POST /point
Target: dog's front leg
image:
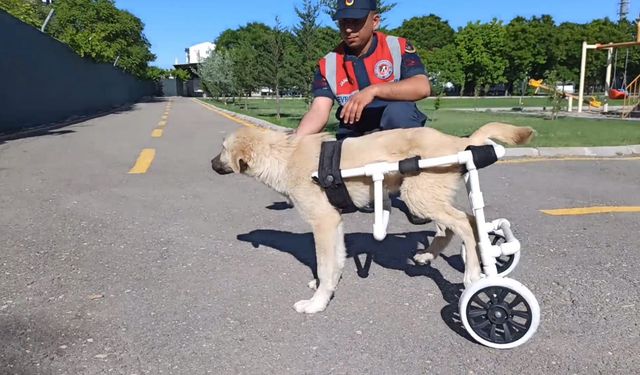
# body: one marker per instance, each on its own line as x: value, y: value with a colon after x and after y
x: 331, y: 255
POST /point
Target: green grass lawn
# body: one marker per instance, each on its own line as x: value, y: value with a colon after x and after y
x: 559, y: 133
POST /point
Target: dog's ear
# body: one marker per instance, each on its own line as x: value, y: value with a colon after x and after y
x: 241, y: 156
x: 243, y: 165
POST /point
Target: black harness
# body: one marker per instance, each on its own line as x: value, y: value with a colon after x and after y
x: 330, y: 176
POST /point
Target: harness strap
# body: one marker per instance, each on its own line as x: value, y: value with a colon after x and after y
x: 408, y: 166
x: 483, y: 156
x: 330, y: 177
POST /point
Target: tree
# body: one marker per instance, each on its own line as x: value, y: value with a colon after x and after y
x: 481, y: 49
x: 275, y: 67
x: 217, y: 74
x: 155, y: 73
x: 245, y: 62
x: 443, y: 66
x: 249, y: 47
x: 530, y: 47
x: 568, y: 51
x: 32, y: 12
x: 308, y: 42
x: 97, y: 29
x: 253, y: 33
x: 180, y: 74
x: 426, y: 32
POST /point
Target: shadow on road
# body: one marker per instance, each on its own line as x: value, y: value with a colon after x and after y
x: 48, y: 129
x: 395, y: 252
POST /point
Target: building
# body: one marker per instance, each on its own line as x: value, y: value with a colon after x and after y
x: 197, y: 53
x: 193, y: 56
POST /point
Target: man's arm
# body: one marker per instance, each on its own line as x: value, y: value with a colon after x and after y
x: 411, y: 89
x: 316, y: 119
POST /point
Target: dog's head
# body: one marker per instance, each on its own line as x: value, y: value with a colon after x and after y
x: 236, y: 154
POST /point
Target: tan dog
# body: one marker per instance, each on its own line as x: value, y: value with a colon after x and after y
x: 286, y: 162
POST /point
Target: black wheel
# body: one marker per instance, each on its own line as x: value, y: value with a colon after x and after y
x: 500, y: 313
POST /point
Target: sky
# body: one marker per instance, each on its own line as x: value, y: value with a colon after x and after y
x: 172, y: 25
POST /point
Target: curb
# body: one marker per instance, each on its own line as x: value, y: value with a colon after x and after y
x: 252, y: 120
x: 512, y: 152
x: 602, y: 152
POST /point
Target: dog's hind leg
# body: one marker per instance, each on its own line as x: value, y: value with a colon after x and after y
x: 328, y: 234
x: 463, y: 225
x: 435, y: 205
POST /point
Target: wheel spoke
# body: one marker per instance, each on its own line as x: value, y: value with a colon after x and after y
x: 521, y: 314
x: 493, y: 335
x: 480, y: 302
x: 481, y: 325
x: 477, y: 313
x: 516, y: 301
x: 518, y: 326
x: 503, y: 294
x: 507, y: 332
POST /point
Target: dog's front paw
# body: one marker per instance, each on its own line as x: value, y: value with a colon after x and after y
x: 309, y: 306
x: 423, y: 258
x: 471, y: 277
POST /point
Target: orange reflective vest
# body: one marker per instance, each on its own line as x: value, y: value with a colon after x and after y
x: 383, y: 65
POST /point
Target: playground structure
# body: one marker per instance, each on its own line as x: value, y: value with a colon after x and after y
x: 630, y: 93
x: 539, y: 84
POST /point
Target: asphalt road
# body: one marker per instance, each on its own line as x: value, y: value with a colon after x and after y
x: 181, y: 271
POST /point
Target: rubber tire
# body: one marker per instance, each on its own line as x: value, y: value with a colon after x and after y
x: 515, y: 286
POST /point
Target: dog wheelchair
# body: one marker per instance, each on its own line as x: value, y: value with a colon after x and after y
x: 496, y: 311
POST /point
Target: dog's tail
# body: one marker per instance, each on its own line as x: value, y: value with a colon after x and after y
x: 505, y: 133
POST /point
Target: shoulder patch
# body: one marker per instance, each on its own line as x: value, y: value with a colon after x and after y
x: 410, y: 48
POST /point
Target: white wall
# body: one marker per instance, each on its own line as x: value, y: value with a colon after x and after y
x: 197, y: 53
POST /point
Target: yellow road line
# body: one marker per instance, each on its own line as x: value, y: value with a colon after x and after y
x: 214, y: 109
x: 591, y: 210
x: 157, y: 133
x: 164, y: 117
x: 144, y: 161
x: 542, y: 159
x: 162, y: 124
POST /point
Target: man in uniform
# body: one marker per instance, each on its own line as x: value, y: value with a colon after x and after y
x: 375, y: 78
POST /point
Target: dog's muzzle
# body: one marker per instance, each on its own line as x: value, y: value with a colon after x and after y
x: 220, y: 167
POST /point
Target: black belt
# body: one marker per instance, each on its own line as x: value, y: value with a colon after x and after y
x: 330, y: 177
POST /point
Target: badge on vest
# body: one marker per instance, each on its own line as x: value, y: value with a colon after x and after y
x: 383, y: 69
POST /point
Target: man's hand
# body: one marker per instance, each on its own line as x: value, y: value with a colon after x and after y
x: 352, y: 111
x: 316, y: 119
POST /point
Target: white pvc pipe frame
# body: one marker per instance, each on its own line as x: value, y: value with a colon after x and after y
x: 488, y: 252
